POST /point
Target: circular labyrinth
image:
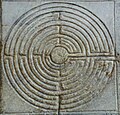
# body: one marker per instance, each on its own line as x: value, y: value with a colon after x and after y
x: 58, y: 56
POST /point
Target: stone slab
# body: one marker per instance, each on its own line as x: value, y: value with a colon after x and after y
x: 91, y: 20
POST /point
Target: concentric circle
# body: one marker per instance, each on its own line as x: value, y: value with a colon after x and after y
x: 58, y: 56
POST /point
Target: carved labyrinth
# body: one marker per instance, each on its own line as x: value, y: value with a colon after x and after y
x: 58, y: 56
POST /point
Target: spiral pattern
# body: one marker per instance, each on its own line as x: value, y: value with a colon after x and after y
x: 58, y: 55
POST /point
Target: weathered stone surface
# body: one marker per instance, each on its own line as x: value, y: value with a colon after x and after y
x: 59, y: 57
x: 117, y: 23
x: 0, y: 58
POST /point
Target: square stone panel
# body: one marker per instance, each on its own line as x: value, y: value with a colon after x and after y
x: 58, y: 57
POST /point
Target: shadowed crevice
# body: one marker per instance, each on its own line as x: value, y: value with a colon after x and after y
x: 0, y: 79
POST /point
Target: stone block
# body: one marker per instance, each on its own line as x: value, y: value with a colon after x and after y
x: 59, y: 57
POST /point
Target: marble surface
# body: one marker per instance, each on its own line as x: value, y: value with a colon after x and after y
x: 60, y: 57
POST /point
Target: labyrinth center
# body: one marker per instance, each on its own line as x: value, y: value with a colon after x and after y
x: 58, y: 55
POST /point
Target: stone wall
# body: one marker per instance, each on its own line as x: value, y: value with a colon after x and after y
x: 60, y: 57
